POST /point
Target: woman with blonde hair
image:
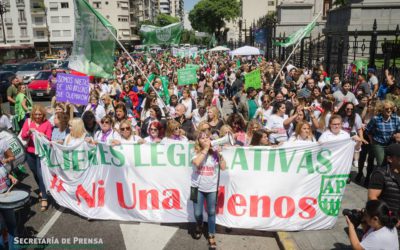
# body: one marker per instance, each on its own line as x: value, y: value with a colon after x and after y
x: 77, y: 132
x: 40, y: 124
x: 302, y: 133
x: 108, y: 105
x: 174, y: 133
x: 206, y: 162
x: 252, y: 126
x: 213, y: 120
x: 127, y: 134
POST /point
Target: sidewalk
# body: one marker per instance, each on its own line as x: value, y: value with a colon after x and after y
x: 355, y: 196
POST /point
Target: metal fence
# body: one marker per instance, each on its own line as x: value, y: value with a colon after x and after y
x: 380, y: 48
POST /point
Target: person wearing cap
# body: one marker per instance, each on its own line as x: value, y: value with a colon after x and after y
x: 373, y: 82
x: 384, y: 184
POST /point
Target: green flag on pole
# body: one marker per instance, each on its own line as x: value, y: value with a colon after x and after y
x: 94, y: 45
x: 170, y: 34
x: 298, y: 35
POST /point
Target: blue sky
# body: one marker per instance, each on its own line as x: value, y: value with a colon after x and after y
x: 189, y: 4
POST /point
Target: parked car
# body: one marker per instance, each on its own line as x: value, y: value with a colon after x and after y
x: 28, y: 71
x: 10, y: 67
x: 56, y: 62
x: 40, y: 87
x: 5, y: 82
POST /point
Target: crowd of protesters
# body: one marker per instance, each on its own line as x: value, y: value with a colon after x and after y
x: 144, y: 103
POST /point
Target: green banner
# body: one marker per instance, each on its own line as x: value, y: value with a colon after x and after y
x: 170, y: 34
x: 187, y: 76
x: 253, y: 79
x: 361, y: 65
x: 94, y: 44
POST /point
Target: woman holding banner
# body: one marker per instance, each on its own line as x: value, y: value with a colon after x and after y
x: 40, y: 124
x: 127, y: 135
x: 205, y: 184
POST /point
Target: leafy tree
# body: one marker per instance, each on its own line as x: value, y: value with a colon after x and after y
x: 210, y: 15
x: 164, y: 20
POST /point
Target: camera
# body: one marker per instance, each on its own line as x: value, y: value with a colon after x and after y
x: 355, y: 216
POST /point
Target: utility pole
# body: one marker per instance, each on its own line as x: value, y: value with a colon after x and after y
x: 3, y: 10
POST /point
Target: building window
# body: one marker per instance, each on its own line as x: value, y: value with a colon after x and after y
x: 24, y: 32
x: 38, y: 20
x: 67, y: 33
x: 21, y: 15
x: 39, y: 34
x: 53, y: 6
x: 54, y: 19
x: 123, y: 19
x: 9, y: 32
x: 65, y: 19
x: 271, y: 3
x: 122, y: 5
x: 97, y: 5
x: 65, y: 5
x: 56, y: 33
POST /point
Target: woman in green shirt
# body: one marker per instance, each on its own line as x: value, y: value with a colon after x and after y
x: 23, y: 105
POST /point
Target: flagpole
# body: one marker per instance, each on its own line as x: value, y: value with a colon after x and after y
x: 137, y: 66
x: 294, y: 50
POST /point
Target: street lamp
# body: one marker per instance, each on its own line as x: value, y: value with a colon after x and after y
x: 3, y: 10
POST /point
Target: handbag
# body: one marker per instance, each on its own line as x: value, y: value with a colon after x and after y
x: 24, y: 142
x: 193, y: 194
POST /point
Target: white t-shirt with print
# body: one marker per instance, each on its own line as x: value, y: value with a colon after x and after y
x: 276, y: 122
x: 357, y: 124
x: 3, y: 171
x: 206, y: 177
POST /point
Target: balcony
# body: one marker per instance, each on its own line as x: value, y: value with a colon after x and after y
x: 20, y: 3
x: 39, y: 25
x: 22, y: 21
x: 37, y: 11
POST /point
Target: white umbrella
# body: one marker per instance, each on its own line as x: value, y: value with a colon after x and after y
x: 220, y: 48
x: 245, y: 51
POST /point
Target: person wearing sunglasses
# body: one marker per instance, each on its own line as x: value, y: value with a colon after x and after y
x: 106, y: 133
x: 206, y: 162
x: 127, y: 134
x: 155, y: 132
x: 174, y: 133
x: 383, y: 129
x: 40, y: 124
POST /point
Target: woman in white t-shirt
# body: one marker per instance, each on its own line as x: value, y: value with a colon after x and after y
x: 174, y: 133
x: 335, y: 132
x: 381, y: 234
x: 205, y: 180
x: 275, y: 123
x: 127, y: 135
x: 5, y: 122
x: 77, y: 132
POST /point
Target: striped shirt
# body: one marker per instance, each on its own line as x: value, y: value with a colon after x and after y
x: 382, y: 131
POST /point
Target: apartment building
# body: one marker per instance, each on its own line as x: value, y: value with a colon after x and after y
x: 17, y: 25
x: 165, y: 6
x: 176, y: 7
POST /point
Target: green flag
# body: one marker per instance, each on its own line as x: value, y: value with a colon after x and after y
x: 361, y: 65
x: 94, y: 45
x: 170, y: 34
x: 298, y: 35
x: 213, y: 42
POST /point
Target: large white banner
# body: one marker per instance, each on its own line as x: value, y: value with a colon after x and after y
x: 293, y: 187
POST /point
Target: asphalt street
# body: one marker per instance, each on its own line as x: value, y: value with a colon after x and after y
x: 65, y: 229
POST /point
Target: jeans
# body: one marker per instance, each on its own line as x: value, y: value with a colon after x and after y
x: 211, y: 199
x: 379, y: 153
x: 36, y: 168
x: 8, y: 217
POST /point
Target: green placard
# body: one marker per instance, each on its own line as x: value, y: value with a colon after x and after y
x: 253, y: 79
x: 187, y: 76
x: 192, y: 66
